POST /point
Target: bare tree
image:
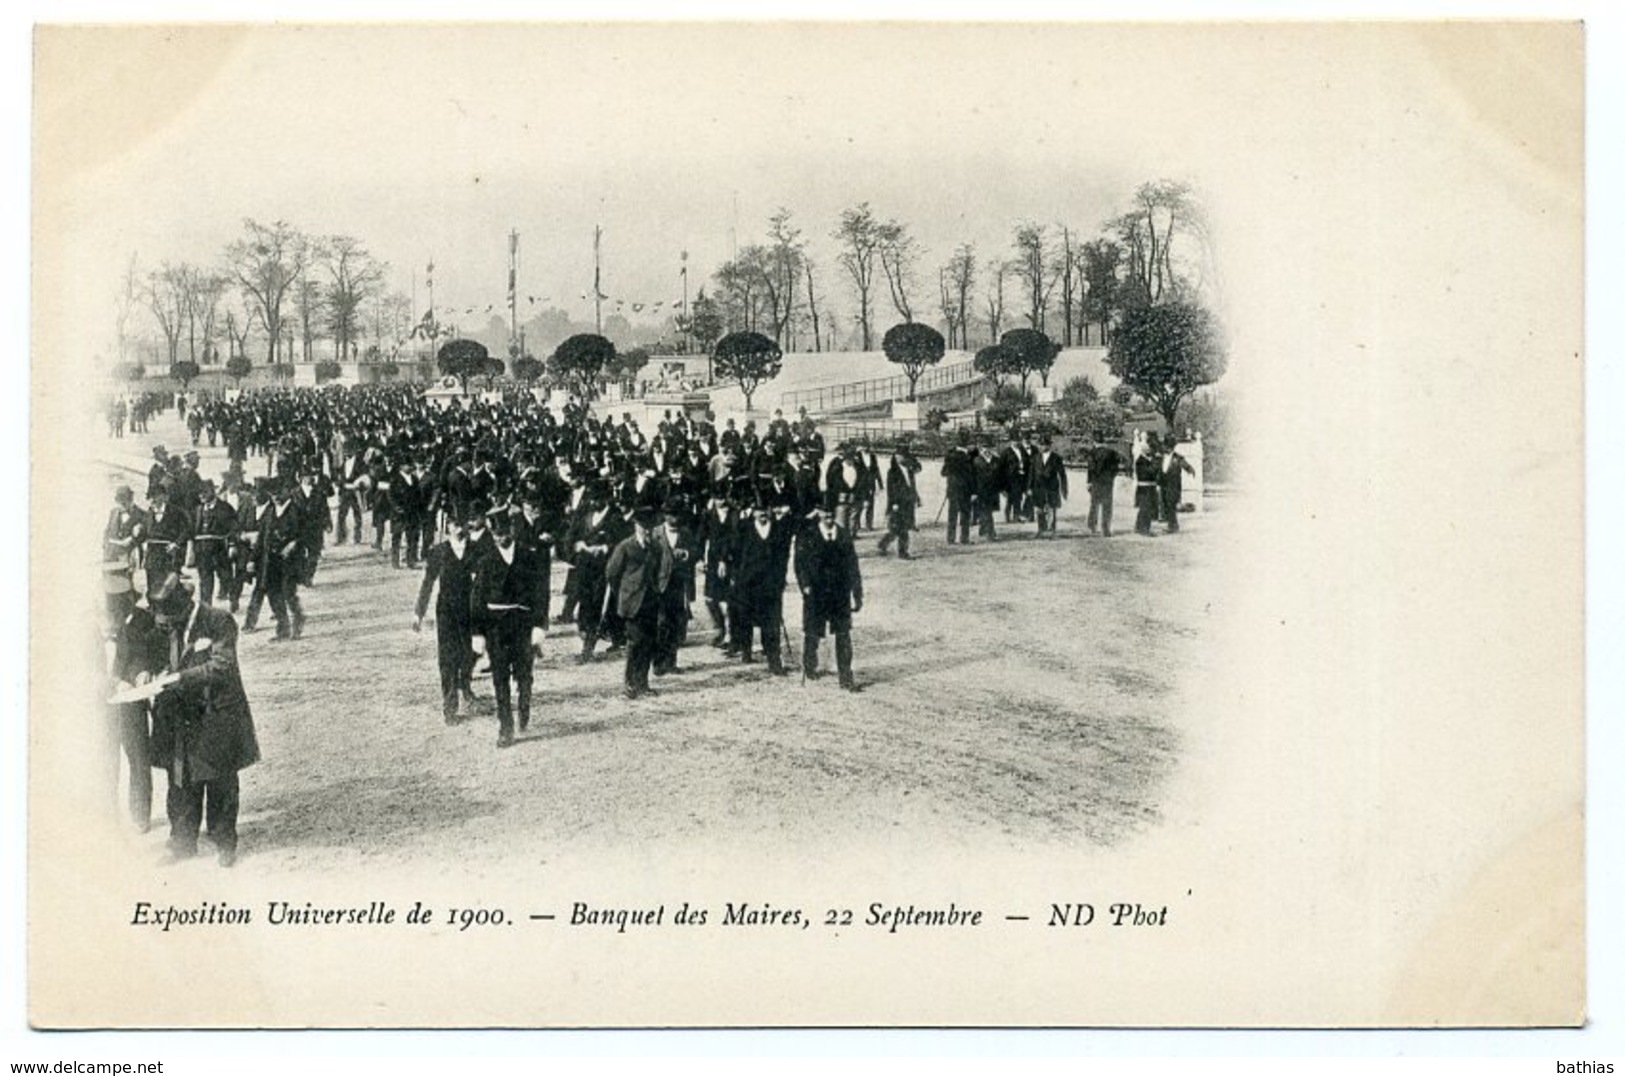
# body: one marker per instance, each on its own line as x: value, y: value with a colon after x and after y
x: 355, y: 275
x: 961, y: 278
x: 129, y: 297
x: 1070, y: 279
x: 165, y: 293
x: 781, y: 269
x: 1032, y: 267
x: 1101, y: 259
x: 899, y: 251
x: 859, y: 236
x: 1162, y: 209
x: 812, y: 304
x: 998, y: 270
x: 205, y: 288
x: 266, y: 262
x: 740, y: 288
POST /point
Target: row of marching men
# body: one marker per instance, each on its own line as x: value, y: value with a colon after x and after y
x: 634, y: 575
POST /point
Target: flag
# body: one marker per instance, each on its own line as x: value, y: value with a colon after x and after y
x: 511, y: 287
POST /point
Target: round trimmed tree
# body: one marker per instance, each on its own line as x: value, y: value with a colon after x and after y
x: 1166, y: 352
x: 913, y: 346
x: 184, y: 371
x: 581, y: 361
x: 239, y: 367
x: 749, y: 358
x: 462, y: 359
x: 1031, y: 352
x: 327, y: 370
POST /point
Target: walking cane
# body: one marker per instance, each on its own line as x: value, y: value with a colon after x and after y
x: 940, y: 507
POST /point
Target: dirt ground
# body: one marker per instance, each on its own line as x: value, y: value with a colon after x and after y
x: 1024, y: 692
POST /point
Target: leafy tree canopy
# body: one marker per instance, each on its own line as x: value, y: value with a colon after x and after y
x: 749, y: 358
x: 1166, y: 352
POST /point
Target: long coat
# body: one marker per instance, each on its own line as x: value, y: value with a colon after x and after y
x: 202, y: 728
x: 1049, y: 480
x: 830, y: 581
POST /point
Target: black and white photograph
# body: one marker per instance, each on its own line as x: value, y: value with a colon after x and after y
x: 807, y: 525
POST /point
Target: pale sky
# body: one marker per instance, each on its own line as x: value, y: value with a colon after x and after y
x: 434, y: 143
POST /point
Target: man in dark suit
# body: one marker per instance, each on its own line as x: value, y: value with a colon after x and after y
x: 638, y: 572
x: 679, y: 592
x: 902, y: 500
x: 450, y: 565
x: 510, y: 610
x: 1147, y: 486
x: 960, y: 475
x: 719, y: 530
x: 988, y: 484
x: 1048, y: 487
x: 756, y: 582
x: 1172, y: 483
x: 831, y: 591
x: 211, y: 544
x: 281, y: 562
x: 408, y: 503
x: 589, y: 541
x: 1105, y: 463
x: 316, y: 518
x: 169, y: 528
x: 203, y: 732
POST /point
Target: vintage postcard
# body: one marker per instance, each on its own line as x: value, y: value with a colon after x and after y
x: 807, y: 524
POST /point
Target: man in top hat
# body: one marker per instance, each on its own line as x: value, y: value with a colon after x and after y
x: 280, y: 563
x: 211, y: 544
x: 831, y: 591
x: 638, y: 573
x: 1048, y: 486
x: 844, y: 482
x: 684, y: 550
x: 202, y: 732
x: 169, y: 528
x: 449, y: 564
x: 406, y: 503
x: 902, y: 500
x: 317, y: 517
x: 594, y: 534
x: 756, y: 583
x: 718, y: 537
x: 989, y: 482
x: 510, y: 611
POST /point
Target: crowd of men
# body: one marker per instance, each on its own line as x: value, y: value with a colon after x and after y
x: 484, y: 496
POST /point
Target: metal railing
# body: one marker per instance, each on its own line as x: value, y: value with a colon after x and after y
x: 877, y: 389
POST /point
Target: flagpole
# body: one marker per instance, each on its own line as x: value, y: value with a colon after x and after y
x: 597, y: 273
x: 513, y: 295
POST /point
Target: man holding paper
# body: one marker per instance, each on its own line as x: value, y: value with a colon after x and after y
x: 202, y: 730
